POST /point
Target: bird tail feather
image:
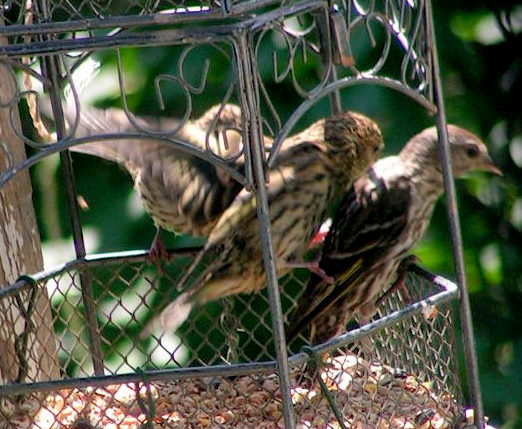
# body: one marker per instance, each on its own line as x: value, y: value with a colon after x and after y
x: 174, y: 314
x: 106, y: 150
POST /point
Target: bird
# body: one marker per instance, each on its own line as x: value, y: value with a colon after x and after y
x: 180, y: 191
x: 313, y: 169
x: 381, y: 218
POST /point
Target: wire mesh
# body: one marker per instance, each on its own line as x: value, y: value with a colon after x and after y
x: 403, y: 375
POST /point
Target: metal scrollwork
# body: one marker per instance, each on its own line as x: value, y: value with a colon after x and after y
x: 404, y: 23
x: 296, y: 41
x: 221, y: 57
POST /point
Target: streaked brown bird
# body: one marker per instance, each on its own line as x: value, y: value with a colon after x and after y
x: 180, y: 191
x: 312, y: 170
x: 382, y: 217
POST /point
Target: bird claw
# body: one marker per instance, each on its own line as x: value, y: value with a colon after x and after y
x: 316, y: 269
x: 157, y: 252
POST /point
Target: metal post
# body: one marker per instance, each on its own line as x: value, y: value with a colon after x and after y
x: 251, y: 114
x: 336, y: 104
x: 456, y: 237
x: 50, y: 68
x: 324, y: 24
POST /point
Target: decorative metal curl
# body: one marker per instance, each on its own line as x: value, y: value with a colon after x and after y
x: 336, y: 85
x: 366, y: 21
x: 295, y: 41
x: 405, y: 23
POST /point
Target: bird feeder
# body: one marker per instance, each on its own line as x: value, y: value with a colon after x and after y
x: 71, y: 350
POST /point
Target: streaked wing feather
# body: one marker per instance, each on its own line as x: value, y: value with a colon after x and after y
x: 357, y: 238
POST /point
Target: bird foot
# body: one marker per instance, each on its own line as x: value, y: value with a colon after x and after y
x: 157, y: 252
x: 314, y: 267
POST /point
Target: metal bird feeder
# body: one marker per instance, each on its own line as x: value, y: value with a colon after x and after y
x: 71, y: 351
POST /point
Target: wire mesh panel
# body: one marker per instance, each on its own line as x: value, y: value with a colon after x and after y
x: 400, y: 374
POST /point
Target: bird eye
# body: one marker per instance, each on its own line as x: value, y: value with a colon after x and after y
x: 472, y: 152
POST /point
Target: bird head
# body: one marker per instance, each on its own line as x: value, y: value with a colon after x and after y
x: 357, y: 134
x: 468, y: 152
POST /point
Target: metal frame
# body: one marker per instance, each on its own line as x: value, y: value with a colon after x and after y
x: 236, y: 24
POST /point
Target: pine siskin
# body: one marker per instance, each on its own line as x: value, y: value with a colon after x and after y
x: 180, y: 191
x: 313, y: 168
x: 384, y: 215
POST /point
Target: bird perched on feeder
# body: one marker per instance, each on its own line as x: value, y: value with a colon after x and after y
x: 179, y: 190
x: 382, y: 217
x: 312, y: 170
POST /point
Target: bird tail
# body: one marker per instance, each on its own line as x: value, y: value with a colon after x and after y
x: 174, y: 314
x: 108, y: 127
x: 90, y: 122
x: 105, y: 150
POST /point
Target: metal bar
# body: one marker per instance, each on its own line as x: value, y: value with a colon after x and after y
x: 154, y: 38
x: 238, y: 369
x: 336, y: 104
x: 135, y: 256
x: 141, y: 39
x: 89, y: 261
x: 323, y: 22
x: 174, y: 16
x: 456, y: 237
x: 50, y: 68
x: 15, y: 288
x: 110, y: 22
x: 245, y: 57
x: 276, y: 14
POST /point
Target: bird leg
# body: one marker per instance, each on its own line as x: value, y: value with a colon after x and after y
x: 313, y: 266
x: 400, y: 283
x: 157, y: 251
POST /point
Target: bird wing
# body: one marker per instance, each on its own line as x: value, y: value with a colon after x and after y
x: 369, y: 220
x: 238, y: 222
x: 181, y: 191
x: 90, y: 122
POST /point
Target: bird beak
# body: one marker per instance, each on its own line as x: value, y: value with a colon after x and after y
x: 490, y: 166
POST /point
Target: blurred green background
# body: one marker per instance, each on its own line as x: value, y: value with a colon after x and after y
x: 480, y: 49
